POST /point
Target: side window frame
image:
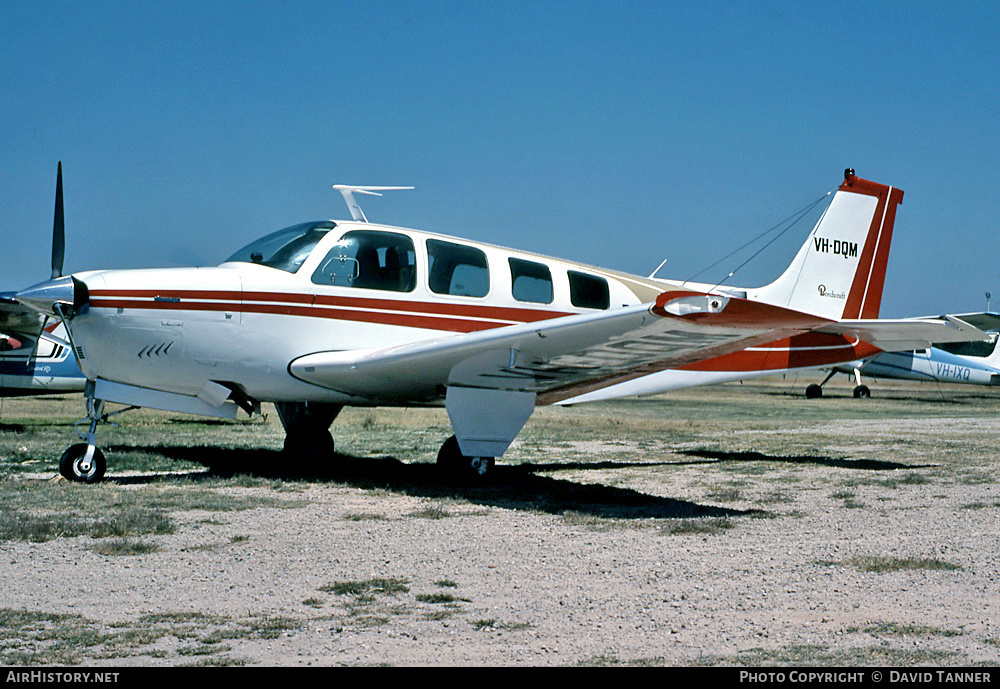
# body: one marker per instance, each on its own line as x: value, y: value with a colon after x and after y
x: 445, y: 259
x: 384, y: 261
x: 588, y: 291
x: 538, y: 273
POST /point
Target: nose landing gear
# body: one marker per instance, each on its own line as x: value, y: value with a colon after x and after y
x: 84, y: 462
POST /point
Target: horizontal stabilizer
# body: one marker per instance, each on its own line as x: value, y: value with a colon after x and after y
x: 908, y: 333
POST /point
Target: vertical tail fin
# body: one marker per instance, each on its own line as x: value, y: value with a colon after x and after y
x: 839, y: 272
x: 993, y: 359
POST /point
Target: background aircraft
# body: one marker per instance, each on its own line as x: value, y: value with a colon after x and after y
x: 973, y: 363
x: 326, y: 314
x: 33, y: 360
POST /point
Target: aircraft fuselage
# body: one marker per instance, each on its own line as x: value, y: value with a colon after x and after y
x: 245, y: 325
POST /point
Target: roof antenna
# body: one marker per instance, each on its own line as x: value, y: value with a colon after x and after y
x: 347, y: 190
x: 663, y: 263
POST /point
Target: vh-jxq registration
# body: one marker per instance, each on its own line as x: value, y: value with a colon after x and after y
x: 325, y: 314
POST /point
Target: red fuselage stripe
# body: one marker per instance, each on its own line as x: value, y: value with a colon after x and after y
x: 427, y: 315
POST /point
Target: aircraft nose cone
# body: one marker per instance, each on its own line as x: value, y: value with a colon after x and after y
x: 46, y: 296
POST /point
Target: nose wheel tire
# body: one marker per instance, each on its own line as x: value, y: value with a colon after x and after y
x: 451, y: 460
x: 73, y: 464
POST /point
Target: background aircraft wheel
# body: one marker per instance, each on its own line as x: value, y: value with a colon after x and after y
x: 451, y: 459
x: 862, y: 392
x: 814, y: 391
x: 72, y: 468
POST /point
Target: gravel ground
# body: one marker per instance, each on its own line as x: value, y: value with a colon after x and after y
x: 834, y: 536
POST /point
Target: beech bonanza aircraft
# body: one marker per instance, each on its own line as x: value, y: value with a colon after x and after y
x: 972, y: 363
x: 332, y: 313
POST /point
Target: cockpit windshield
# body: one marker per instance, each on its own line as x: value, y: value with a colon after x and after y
x: 285, y: 249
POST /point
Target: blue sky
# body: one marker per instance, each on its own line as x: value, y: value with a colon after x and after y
x: 615, y: 133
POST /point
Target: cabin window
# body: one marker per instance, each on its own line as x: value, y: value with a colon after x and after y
x: 588, y: 291
x: 457, y: 269
x: 370, y: 260
x: 530, y: 281
x: 285, y: 249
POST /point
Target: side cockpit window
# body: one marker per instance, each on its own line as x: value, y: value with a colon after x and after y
x: 457, y: 269
x: 530, y: 281
x: 370, y: 260
x: 588, y: 291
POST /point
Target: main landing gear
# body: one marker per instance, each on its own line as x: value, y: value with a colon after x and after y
x: 307, y: 436
x: 307, y: 428
x: 451, y: 460
x: 861, y: 391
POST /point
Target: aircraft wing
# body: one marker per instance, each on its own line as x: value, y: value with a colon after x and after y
x: 565, y: 357
x: 15, y: 318
x: 984, y: 320
x: 909, y: 333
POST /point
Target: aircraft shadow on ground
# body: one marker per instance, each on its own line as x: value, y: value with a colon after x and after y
x: 510, y: 487
x: 750, y: 456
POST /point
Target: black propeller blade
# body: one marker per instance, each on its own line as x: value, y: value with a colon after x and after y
x: 58, y: 229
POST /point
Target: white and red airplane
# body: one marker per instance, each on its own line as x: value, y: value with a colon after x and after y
x: 332, y: 313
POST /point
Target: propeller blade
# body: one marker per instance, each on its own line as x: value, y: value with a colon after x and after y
x: 58, y: 229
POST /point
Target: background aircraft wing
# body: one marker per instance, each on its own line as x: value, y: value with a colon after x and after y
x: 984, y: 320
x: 17, y: 319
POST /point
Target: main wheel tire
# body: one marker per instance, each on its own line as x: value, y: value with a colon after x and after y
x: 307, y: 429
x: 814, y: 391
x: 309, y: 444
x: 451, y: 460
x: 72, y: 468
x: 862, y: 392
